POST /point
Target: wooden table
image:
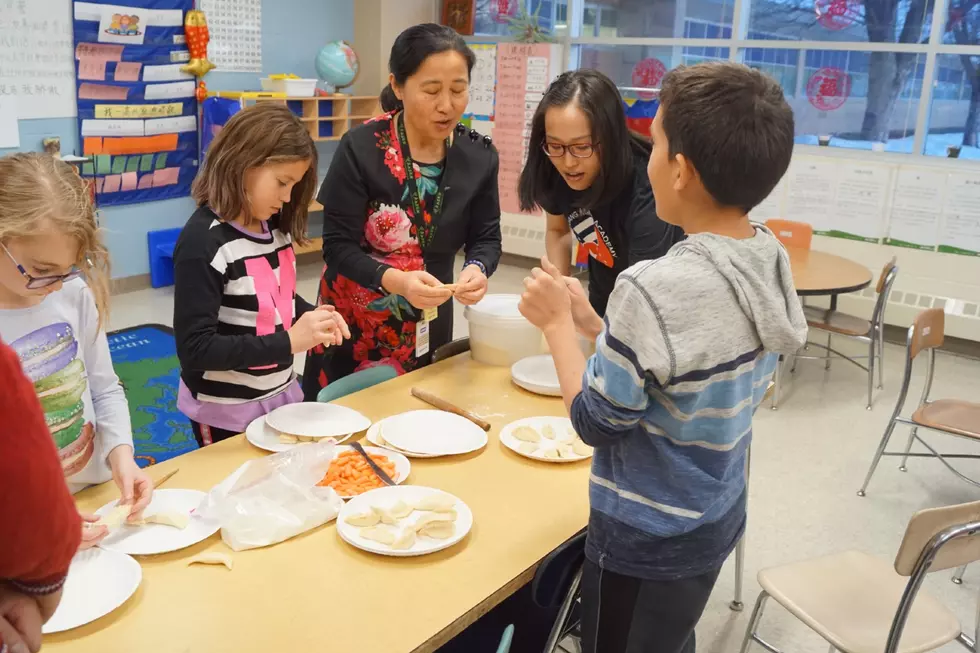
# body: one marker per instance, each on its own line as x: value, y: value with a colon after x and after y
x: 316, y: 593
x: 818, y: 273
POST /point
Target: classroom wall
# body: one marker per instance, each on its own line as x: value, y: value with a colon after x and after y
x: 292, y: 33
x: 376, y: 25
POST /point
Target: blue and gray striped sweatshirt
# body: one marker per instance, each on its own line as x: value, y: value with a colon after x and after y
x: 690, y: 344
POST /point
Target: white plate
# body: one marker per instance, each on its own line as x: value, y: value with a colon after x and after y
x: 402, y: 467
x: 537, y: 374
x: 387, y: 496
x: 152, y: 539
x: 265, y: 437
x: 433, y: 432
x: 563, y: 430
x: 374, y: 437
x: 315, y: 420
x: 98, y: 582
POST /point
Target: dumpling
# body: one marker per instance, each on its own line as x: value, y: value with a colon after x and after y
x: 115, y: 517
x: 528, y: 448
x: 176, y: 519
x: 437, y: 502
x: 526, y: 434
x: 212, y: 558
x: 363, y: 519
x: 405, y: 539
x: 400, y: 510
x: 305, y: 438
x: 551, y: 453
x: 442, y: 530
x: 566, y: 450
x: 549, y: 432
x: 434, y: 518
x: 385, y: 516
x: 286, y: 438
x: 378, y: 534
x: 580, y: 448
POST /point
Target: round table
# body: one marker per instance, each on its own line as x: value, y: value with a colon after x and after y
x: 818, y: 273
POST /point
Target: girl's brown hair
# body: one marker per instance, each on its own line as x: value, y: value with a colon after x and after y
x: 265, y: 133
x: 37, y: 188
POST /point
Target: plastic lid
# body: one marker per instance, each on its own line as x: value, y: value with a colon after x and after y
x: 502, y: 307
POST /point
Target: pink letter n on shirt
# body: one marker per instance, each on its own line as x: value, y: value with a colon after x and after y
x: 273, y: 296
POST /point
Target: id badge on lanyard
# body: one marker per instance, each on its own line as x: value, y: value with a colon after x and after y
x: 430, y: 314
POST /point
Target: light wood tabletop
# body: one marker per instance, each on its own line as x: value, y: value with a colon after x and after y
x: 316, y: 593
x: 819, y: 273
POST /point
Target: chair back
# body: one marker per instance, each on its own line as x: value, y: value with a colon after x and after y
x: 790, y: 233
x: 935, y: 539
x: 450, y: 349
x: 937, y: 532
x: 356, y: 382
x: 928, y: 331
x: 884, y: 290
x: 506, y: 639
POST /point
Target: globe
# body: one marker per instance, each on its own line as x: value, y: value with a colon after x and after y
x: 336, y: 64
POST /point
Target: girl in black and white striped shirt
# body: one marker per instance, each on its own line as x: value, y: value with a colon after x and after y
x: 237, y: 318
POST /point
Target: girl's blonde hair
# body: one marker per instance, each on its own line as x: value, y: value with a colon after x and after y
x: 37, y: 188
x: 258, y: 135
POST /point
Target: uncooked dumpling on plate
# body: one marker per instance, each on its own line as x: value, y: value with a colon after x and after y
x: 549, y: 432
x: 115, y: 517
x: 437, y: 502
x: 363, y: 519
x: 442, y: 530
x: 378, y: 534
x: 434, y: 518
x: 526, y: 434
x: 399, y: 510
x: 528, y: 448
x: 565, y: 450
x: 551, y: 453
x: 580, y: 448
x: 176, y: 519
x: 405, y: 539
x: 286, y: 438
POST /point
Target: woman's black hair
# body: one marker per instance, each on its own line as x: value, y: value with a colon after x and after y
x: 599, y: 99
x: 412, y: 48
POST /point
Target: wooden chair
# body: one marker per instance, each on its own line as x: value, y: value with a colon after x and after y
x: 871, y: 332
x: 791, y: 234
x: 951, y: 416
x: 850, y: 598
x: 450, y: 349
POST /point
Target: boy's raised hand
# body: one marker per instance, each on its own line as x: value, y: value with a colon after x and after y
x: 546, y: 300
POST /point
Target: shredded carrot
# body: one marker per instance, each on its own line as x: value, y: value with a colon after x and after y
x: 349, y: 474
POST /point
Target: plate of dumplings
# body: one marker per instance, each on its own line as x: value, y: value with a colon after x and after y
x: 548, y: 439
x: 404, y: 520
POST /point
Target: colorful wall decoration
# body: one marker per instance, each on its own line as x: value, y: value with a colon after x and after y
x: 137, y: 114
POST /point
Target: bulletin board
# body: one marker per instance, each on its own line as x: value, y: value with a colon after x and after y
x: 137, y: 115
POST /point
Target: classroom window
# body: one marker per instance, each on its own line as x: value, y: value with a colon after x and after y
x: 954, y: 115
x: 832, y: 95
x: 495, y: 17
x: 891, y: 21
x: 657, y: 18
x: 639, y: 66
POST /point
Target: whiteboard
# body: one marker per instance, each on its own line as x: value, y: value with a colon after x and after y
x: 37, y: 62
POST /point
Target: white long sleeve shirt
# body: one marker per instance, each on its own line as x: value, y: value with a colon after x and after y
x: 66, y: 356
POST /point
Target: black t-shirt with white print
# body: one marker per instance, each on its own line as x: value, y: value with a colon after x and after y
x: 619, y: 233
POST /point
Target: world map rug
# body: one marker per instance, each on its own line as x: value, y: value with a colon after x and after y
x: 145, y: 358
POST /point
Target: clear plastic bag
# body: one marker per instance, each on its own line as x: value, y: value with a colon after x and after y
x: 272, y: 499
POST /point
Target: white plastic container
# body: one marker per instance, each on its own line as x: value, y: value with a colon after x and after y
x: 499, y: 334
x: 291, y: 87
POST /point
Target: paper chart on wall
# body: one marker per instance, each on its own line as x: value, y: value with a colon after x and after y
x: 811, y: 197
x: 961, y: 215
x: 37, y: 64
x: 9, y: 127
x: 483, y: 81
x: 859, y: 212
x: 236, y: 34
x: 773, y: 206
x: 917, y: 207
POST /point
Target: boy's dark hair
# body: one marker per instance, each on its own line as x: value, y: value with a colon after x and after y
x: 412, y: 47
x: 264, y: 133
x: 734, y: 126
x: 599, y: 99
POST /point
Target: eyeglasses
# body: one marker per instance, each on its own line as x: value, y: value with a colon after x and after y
x: 578, y: 150
x: 36, y: 283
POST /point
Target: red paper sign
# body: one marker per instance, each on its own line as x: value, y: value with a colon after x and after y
x: 837, y: 14
x: 828, y: 88
x: 500, y: 10
x: 648, y: 73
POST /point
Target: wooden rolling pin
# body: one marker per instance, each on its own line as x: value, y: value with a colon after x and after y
x: 442, y: 404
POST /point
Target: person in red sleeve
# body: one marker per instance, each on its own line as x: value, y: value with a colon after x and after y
x: 44, y: 527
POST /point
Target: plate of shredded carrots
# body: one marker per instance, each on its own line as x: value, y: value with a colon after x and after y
x: 350, y: 475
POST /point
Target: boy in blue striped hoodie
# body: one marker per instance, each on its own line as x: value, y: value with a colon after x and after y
x: 683, y: 357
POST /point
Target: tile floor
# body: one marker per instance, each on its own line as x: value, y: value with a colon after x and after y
x: 808, y: 459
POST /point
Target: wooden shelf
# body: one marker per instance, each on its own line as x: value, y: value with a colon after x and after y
x: 327, y: 118
x: 315, y: 245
